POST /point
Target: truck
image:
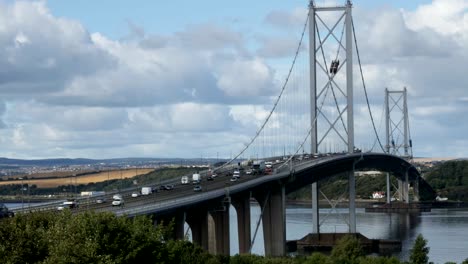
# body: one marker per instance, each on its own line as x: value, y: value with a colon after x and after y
x: 92, y: 193
x: 5, y: 212
x: 258, y: 166
x: 146, y: 190
x: 196, y: 178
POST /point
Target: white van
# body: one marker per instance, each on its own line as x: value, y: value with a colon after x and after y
x: 146, y: 190
x: 117, y: 200
x: 184, y: 180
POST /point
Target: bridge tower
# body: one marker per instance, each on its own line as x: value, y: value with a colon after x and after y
x: 328, y: 73
x: 397, y: 123
x: 397, y: 133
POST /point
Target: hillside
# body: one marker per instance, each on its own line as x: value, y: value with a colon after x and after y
x: 450, y: 179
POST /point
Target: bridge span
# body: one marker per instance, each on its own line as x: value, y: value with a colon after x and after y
x: 207, y: 212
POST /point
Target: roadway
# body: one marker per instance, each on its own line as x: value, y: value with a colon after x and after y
x: 183, y: 196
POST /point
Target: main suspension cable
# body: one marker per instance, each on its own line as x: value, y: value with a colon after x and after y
x: 364, y: 85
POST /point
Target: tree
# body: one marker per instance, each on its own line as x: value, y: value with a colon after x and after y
x: 419, y: 251
x: 348, y: 250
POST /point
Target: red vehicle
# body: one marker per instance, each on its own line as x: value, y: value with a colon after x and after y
x: 268, y: 171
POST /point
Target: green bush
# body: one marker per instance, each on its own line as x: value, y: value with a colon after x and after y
x: 348, y: 250
x: 419, y: 251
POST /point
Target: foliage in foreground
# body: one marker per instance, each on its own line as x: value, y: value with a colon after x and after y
x: 104, y: 238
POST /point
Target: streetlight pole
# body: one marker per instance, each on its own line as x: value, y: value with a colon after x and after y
x: 22, y: 197
x: 29, y: 198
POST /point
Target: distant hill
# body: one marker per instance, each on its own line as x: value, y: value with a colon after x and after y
x: 81, y: 161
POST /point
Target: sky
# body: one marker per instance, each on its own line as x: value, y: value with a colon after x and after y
x: 113, y: 78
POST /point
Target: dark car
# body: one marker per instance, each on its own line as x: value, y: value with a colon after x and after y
x: 4, y: 212
x: 210, y: 178
x: 197, y: 188
x: 168, y: 187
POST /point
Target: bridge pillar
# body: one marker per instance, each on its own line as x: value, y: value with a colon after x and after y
x: 242, y: 206
x: 400, y: 190
x: 352, y: 202
x: 315, y: 209
x: 221, y: 243
x: 274, y: 222
x: 389, y: 194
x: 178, y: 220
x: 416, y: 190
x: 406, y: 187
x: 198, y: 222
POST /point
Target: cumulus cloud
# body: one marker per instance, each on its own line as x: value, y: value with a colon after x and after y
x: 246, y: 78
x: 69, y: 92
x: 40, y: 53
x: 2, y: 112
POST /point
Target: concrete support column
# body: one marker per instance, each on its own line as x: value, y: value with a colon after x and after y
x: 198, y: 222
x: 177, y: 220
x: 211, y: 235
x: 400, y: 190
x: 315, y: 209
x: 352, y: 202
x: 242, y: 206
x: 221, y: 232
x: 274, y: 222
x: 406, y: 188
x: 416, y: 190
x: 389, y: 194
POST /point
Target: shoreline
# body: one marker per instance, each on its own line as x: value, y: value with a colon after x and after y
x: 363, y: 203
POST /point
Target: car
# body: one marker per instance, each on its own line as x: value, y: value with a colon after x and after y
x: 197, y: 188
x: 70, y: 204
x: 100, y: 200
x: 5, y: 212
x: 210, y: 178
x: 168, y: 187
x: 135, y: 194
x: 118, y: 202
x: 214, y: 175
x: 249, y: 172
x: 234, y: 179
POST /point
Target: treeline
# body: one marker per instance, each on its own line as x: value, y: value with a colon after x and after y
x: 450, y: 179
x: 155, y: 176
x: 334, y: 187
x: 337, y: 187
x: 105, y: 238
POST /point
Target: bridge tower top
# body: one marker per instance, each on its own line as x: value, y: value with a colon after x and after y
x: 397, y: 130
x: 335, y: 125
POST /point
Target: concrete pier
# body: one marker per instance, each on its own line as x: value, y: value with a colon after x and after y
x: 274, y: 221
x: 242, y: 206
x: 198, y: 222
x: 221, y: 232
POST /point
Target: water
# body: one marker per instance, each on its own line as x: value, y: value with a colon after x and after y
x: 445, y: 229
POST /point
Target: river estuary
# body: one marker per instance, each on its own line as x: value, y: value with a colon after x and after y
x: 445, y: 229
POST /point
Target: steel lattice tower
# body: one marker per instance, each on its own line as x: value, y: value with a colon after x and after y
x: 397, y: 123
x: 320, y: 71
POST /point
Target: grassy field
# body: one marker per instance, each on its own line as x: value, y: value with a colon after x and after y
x: 82, y: 179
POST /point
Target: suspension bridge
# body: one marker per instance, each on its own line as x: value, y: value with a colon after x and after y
x: 308, y: 136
